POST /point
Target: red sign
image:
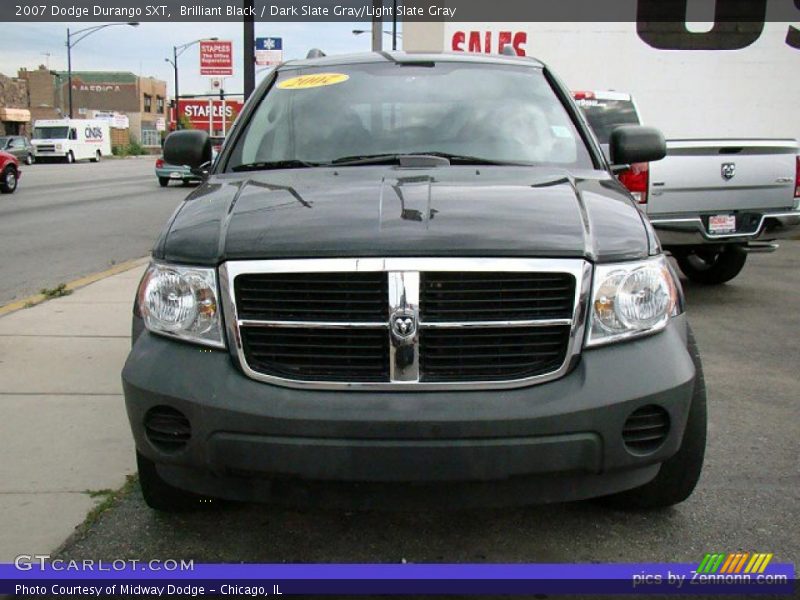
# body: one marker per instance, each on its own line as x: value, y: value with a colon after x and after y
x: 489, y: 42
x: 216, y: 58
x: 198, y: 112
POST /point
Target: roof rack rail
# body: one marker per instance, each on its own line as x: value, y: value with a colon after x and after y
x: 315, y: 53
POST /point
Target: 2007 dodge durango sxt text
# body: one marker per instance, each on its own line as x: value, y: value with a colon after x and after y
x: 413, y: 277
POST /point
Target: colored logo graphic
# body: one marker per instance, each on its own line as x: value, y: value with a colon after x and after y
x: 737, y: 562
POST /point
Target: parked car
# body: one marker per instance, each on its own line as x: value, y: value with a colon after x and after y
x: 711, y: 200
x: 167, y: 172
x: 19, y: 146
x: 9, y: 173
x: 430, y: 287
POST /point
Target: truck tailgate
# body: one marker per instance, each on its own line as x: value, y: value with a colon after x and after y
x: 723, y: 175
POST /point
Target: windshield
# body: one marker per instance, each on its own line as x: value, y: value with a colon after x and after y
x: 50, y: 133
x: 603, y: 115
x: 4, y: 141
x: 492, y: 113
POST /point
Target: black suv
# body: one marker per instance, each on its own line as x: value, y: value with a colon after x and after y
x: 413, y: 278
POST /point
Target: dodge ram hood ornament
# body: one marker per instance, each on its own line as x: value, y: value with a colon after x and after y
x: 404, y: 325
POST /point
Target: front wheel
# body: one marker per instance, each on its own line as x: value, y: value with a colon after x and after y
x: 9, y: 181
x: 160, y: 495
x: 712, y: 267
x: 70, y: 158
x: 678, y: 475
x: 96, y: 156
x: 29, y: 159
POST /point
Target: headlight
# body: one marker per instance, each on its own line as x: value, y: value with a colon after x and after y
x: 59, y: 147
x: 632, y: 299
x: 182, y: 302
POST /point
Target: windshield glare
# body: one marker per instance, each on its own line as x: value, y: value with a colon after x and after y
x: 493, y: 112
x: 50, y: 133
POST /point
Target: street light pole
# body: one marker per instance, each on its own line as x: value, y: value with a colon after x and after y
x: 176, y: 52
x: 69, y: 72
x: 177, y: 92
x: 70, y: 43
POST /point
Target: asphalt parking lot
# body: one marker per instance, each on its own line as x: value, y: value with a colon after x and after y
x: 748, y: 497
x: 68, y: 221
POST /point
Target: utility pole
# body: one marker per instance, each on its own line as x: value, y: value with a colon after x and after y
x: 394, y: 24
x: 249, y: 47
x: 377, y: 26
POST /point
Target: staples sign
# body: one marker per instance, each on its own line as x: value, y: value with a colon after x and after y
x: 200, y: 112
x: 216, y: 58
x: 489, y: 42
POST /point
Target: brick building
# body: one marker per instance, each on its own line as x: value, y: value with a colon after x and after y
x: 142, y: 99
x: 14, y: 114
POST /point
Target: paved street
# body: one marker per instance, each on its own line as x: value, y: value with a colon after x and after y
x: 748, y: 497
x: 67, y: 221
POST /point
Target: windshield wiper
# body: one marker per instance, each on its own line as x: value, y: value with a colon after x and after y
x: 274, y: 164
x: 388, y: 159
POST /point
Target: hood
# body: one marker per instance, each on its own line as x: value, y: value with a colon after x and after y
x: 393, y: 211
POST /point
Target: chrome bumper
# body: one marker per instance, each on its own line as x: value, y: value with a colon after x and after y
x: 691, y: 231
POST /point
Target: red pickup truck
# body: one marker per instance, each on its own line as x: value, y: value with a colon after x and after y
x: 9, y: 173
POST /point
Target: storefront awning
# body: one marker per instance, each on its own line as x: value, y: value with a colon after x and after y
x: 18, y: 115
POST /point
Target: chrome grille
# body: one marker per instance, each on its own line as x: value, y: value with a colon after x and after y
x: 344, y: 297
x: 411, y: 323
x: 459, y: 296
x: 491, y: 354
x: 320, y: 354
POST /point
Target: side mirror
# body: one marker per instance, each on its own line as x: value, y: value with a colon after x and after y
x: 189, y: 147
x: 634, y: 143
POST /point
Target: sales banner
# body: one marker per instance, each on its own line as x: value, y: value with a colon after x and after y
x: 216, y: 58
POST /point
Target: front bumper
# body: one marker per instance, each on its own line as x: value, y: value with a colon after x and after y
x: 677, y: 230
x: 551, y: 442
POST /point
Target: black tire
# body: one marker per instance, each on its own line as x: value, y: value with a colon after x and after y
x: 96, y: 156
x: 160, y: 495
x: 713, y: 268
x: 9, y: 180
x: 679, y: 475
x: 29, y: 159
x: 163, y: 181
x: 70, y: 158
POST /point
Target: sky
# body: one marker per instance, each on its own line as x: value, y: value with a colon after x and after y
x: 142, y: 49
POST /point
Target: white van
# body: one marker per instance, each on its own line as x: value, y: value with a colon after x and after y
x: 71, y: 139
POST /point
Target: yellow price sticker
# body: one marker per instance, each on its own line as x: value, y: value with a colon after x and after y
x: 304, y: 82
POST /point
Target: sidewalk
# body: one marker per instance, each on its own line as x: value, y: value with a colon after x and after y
x: 63, y: 428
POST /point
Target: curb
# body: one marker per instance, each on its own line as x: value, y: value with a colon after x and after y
x: 74, y: 285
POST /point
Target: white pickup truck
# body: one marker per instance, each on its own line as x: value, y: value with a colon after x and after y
x: 711, y: 200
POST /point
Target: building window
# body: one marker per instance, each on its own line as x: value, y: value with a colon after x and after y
x: 148, y: 103
x: 159, y: 105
